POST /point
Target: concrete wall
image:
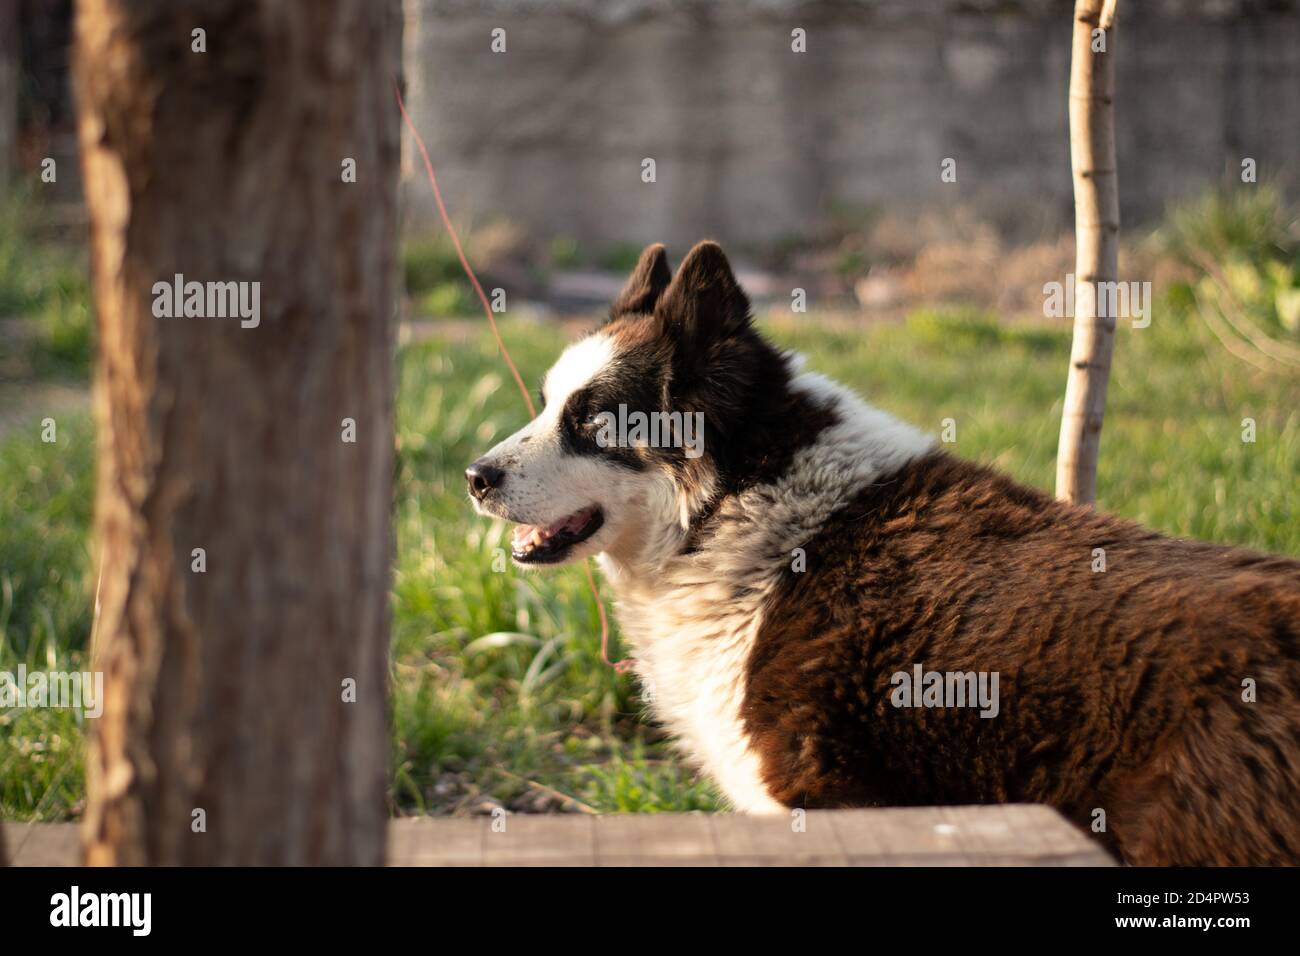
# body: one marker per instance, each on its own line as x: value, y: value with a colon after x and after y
x: 756, y: 143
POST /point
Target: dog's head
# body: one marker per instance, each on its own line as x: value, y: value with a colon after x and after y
x: 644, y: 422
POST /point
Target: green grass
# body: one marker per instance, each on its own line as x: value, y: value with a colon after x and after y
x: 498, y: 686
x: 1231, y: 222
x: 46, y: 283
x: 46, y: 597
x: 1248, y: 242
x: 432, y: 276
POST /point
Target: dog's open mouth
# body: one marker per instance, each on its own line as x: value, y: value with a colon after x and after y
x: 546, y: 544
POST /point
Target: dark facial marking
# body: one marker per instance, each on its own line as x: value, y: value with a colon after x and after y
x: 580, y: 436
x: 699, y: 352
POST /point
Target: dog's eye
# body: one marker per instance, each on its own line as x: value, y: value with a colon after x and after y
x: 592, y: 420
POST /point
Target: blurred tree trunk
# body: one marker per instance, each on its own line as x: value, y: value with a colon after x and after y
x: 1096, y: 235
x: 4, y: 855
x: 9, y: 74
x: 228, y: 735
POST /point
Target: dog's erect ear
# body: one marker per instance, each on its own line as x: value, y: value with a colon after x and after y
x: 646, y: 284
x: 704, y: 302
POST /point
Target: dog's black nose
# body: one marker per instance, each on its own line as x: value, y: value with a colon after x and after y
x: 482, y: 478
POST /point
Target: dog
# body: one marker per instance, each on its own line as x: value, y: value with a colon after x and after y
x: 799, y: 594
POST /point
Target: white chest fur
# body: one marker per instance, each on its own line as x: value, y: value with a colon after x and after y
x: 692, y: 644
x: 692, y: 620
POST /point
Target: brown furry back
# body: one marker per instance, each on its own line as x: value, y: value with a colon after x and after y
x: 1120, y: 690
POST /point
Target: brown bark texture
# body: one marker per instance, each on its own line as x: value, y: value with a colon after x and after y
x: 9, y: 73
x: 227, y: 736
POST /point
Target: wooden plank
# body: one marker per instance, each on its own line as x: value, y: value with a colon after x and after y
x: 543, y: 840
x: 778, y: 840
x: 452, y: 842
x: 1015, y: 834
x: 986, y: 839
x: 43, y: 844
x: 1012, y: 834
x: 655, y: 839
x: 896, y: 836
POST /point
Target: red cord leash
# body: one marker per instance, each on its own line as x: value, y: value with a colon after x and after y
x: 455, y: 241
x: 622, y: 666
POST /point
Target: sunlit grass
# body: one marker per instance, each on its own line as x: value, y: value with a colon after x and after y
x: 499, y: 692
